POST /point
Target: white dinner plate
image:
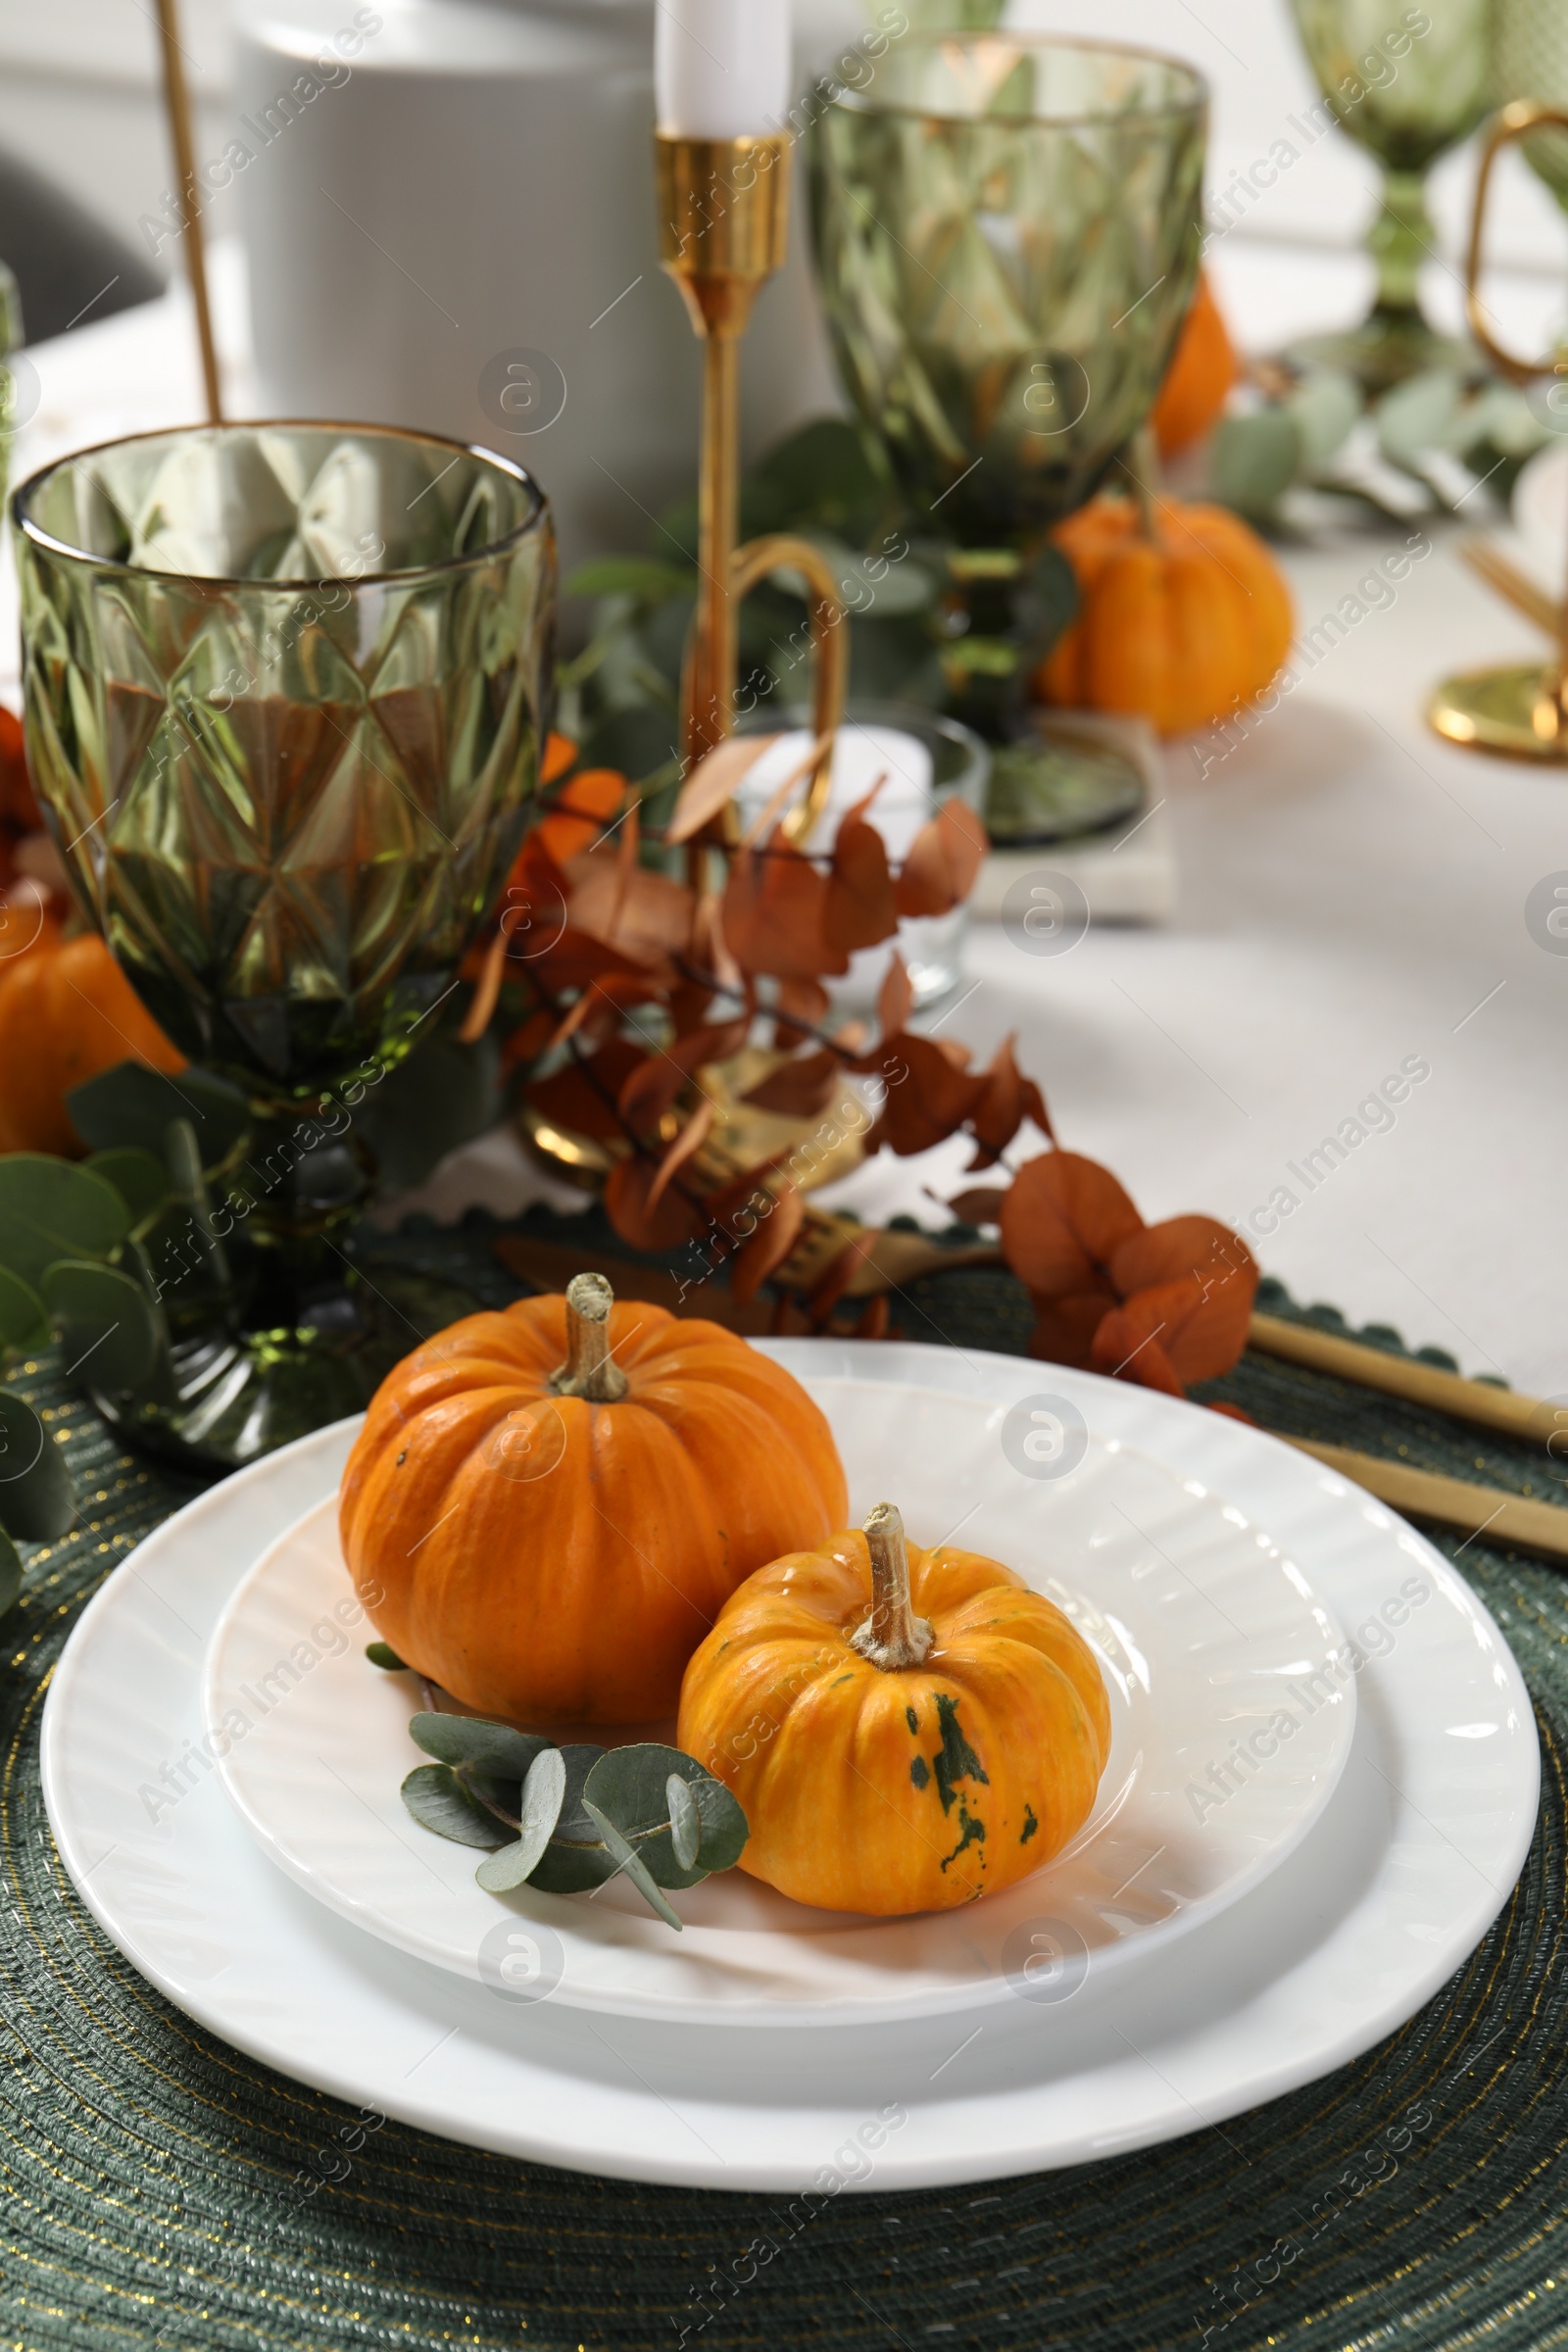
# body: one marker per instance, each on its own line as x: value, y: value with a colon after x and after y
x: 1207, y: 1634
x: 1410, y: 1861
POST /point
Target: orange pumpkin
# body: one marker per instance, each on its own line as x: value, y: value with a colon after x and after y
x: 67, y: 1012
x: 1179, y: 625
x: 906, y: 1730
x: 1198, y: 379
x: 547, y: 1509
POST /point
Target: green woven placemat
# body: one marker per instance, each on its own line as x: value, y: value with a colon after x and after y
x: 164, y: 2191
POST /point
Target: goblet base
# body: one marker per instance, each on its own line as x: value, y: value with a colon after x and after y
x: 1517, y: 712
x: 1385, y: 350
x: 226, y: 1399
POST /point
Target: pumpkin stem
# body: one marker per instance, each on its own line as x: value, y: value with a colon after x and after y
x: 1144, y: 474
x: 891, y: 1636
x: 590, y: 1370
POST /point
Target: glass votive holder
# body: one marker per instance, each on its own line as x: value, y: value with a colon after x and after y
x: 926, y: 760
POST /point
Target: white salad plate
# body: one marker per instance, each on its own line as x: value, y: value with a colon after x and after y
x: 1411, y: 1858
x: 1209, y: 1637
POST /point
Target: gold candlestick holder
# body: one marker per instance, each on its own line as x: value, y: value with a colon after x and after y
x: 1520, y: 710
x: 724, y: 229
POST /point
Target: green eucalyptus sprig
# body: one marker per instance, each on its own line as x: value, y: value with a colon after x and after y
x: 567, y: 1819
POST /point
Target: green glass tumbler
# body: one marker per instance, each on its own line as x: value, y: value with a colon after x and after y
x: 1006, y: 233
x: 287, y: 687
x: 1406, y: 83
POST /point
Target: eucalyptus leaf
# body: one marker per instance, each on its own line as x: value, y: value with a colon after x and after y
x: 725, y: 1828
x: 183, y: 1158
x: 133, y: 1105
x: 543, y: 1794
x: 492, y: 1748
x: 630, y: 1784
x: 632, y: 1864
x: 136, y: 1176
x: 10, y: 1573
x: 52, y: 1208
x: 1254, y: 460
x: 110, y: 1330
x: 1324, y: 408
x: 1420, y: 416
x: 685, y: 1822
x: 23, y: 1324
x: 438, y: 1800
x: 36, y: 1497
x: 648, y: 578
x: 381, y: 1653
x: 576, y: 1857
x: 444, y: 1094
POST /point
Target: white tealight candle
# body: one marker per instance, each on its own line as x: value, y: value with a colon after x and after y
x: 860, y: 754
x: 722, y: 67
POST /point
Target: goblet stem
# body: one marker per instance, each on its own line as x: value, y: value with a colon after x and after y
x: 1400, y: 240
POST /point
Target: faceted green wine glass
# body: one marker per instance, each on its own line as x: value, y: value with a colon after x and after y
x: 1532, y: 63
x: 1006, y: 234
x: 1406, y: 83
x: 286, y: 688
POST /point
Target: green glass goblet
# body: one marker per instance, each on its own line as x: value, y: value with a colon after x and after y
x: 286, y: 691
x: 1407, y: 84
x: 1532, y: 63
x: 1006, y: 233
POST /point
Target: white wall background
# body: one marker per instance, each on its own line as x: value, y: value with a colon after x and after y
x: 80, y: 98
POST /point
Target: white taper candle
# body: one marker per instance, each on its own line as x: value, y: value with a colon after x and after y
x: 722, y: 67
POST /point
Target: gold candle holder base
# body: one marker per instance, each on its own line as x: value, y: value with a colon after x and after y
x: 1515, y: 712
x: 725, y: 230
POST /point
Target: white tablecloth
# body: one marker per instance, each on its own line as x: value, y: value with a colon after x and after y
x: 1351, y: 906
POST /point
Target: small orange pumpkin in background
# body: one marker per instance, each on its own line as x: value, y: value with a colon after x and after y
x: 1179, y: 622
x: 905, y: 1730
x: 67, y: 1012
x: 547, y: 1509
x: 1197, y: 383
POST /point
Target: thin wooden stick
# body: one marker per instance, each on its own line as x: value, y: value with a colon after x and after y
x: 176, y: 102
x: 1528, y: 1419
x: 1503, y: 1519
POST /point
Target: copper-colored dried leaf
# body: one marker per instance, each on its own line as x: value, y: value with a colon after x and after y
x: 859, y: 897
x: 581, y: 1096
x: 665, y: 1225
x: 981, y: 1204
x: 710, y: 947
x: 482, y: 1004
x: 895, y: 999
x: 1065, y: 1326
x: 579, y: 814
x: 769, y: 1246
x: 651, y: 1090
x: 775, y: 909
x: 1000, y: 1111
x: 528, y: 1039
x: 1062, y: 1219
x: 691, y: 1138
x: 647, y: 916
x: 799, y: 1008
x: 1135, y: 1342
x: 798, y: 1089
x: 1034, y: 1108
x: 1223, y: 1273
x: 839, y: 1273
x: 942, y: 862
x: 712, y: 782
x: 928, y: 1099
